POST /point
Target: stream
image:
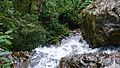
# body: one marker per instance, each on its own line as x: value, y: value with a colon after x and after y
x: 49, y: 57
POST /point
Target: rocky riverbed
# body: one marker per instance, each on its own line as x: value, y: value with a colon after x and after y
x: 91, y: 60
x: 87, y: 60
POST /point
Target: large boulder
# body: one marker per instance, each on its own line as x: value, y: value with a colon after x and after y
x: 101, y: 23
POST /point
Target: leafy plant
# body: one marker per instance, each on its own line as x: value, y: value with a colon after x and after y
x: 29, y: 35
x: 63, y: 11
x: 5, y: 62
x: 6, y: 24
x: 5, y: 42
x: 6, y: 27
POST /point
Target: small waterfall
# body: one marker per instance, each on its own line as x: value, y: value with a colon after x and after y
x: 49, y: 57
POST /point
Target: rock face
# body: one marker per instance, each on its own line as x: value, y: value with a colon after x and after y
x: 95, y: 60
x: 101, y: 23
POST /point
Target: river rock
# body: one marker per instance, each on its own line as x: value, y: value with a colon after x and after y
x: 20, y: 59
x: 91, y: 60
x: 101, y: 23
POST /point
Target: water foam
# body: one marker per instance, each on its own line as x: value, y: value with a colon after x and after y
x: 49, y: 57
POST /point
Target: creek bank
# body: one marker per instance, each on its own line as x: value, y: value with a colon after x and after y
x: 14, y: 59
x: 91, y: 60
x: 87, y: 60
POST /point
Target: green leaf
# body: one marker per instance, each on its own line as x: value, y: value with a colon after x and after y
x: 4, y: 53
x: 5, y: 37
x: 1, y: 24
x: 8, y: 32
x: 1, y: 33
x: 4, y: 59
x: 7, y: 65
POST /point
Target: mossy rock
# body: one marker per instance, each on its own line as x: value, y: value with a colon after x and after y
x: 89, y: 28
x: 100, y: 31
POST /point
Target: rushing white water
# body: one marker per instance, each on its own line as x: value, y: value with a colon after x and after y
x: 49, y: 57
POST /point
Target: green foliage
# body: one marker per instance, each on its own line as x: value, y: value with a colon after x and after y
x: 55, y: 31
x: 19, y: 32
x: 89, y: 21
x: 4, y: 53
x: 5, y: 42
x: 30, y: 35
x: 6, y: 25
x: 5, y: 5
x: 30, y: 32
x: 23, y: 29
x: 5, y: 61
x: 60, y: 6
x: 56, y: 13
x: 19, y: 4
x: 64, y: 11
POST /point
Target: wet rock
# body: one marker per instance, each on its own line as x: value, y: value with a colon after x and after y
x: 92, y: 60
x: 21, y: 59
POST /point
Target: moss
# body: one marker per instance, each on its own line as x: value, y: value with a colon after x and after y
x: 97, y: 30
x: 89, y: 28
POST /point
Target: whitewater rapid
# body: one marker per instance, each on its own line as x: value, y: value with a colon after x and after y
x: 49, y: 57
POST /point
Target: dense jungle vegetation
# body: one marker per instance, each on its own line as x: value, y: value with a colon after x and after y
x: 26, y: 24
